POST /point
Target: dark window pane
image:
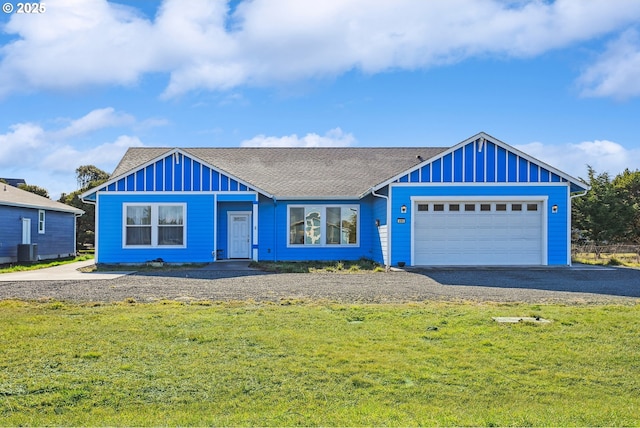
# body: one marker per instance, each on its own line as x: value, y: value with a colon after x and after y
x: 333, y: 225
x: 170, y: 235
x: 349, y: 225
x: 138, y: 235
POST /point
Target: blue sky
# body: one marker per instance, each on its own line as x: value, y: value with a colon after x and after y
x: 84, y: 80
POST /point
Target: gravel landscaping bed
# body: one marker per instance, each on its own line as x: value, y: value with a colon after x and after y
x: 501, y: 285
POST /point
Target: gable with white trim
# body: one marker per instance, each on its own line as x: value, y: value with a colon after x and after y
x: 173, y: 172
x: 484, y: 159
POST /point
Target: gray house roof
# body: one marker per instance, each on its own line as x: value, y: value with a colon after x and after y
x: 12, y: 196
x: 15, y: 182
x: 327, y: 172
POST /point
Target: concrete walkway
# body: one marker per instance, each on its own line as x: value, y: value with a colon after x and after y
x: 68, y: 272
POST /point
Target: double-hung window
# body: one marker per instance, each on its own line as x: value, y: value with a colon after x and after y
x: 154, y: 225
x: 41, y: 218
x: 323, y: 225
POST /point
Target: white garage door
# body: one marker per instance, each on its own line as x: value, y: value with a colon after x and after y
x: 478, y: 233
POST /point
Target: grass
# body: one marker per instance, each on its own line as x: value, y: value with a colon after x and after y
x: 356, y: 266
x: 608, y: 259
x: 44, y: 264
x: 298, y: 363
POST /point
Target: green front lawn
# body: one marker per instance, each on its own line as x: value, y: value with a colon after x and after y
x: 317, y: 364
x: 19, y: 267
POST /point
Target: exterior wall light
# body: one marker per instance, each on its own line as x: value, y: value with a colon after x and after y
x: 403, y: 209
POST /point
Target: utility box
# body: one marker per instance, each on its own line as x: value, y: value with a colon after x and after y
x: 27, y: 253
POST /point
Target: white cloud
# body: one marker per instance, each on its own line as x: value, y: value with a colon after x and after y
x: 73, y: 44
x: 105, y: 156
x: 265, y: 42
x: 333, y: 138
x: 616, y: 73
x: 573, y: 158
x: 21, y: 144
x: 45, y: 157
x: 93, y: 121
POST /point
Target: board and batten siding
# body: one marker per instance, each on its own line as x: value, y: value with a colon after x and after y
x: 553, y: 194
x: 481, y: 161
x: 175, y: 172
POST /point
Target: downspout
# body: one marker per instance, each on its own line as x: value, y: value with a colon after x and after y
x: 95, y: 226
x: 215, y: 228
x: 75, y: 233
x: 275, y: 229
x: 386, y: 197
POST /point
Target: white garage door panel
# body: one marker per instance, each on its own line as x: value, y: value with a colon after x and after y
x: 478, y: 237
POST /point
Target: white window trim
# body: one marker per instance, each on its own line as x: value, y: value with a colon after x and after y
x: 323, y: 226
x: 154, y: 224
x: 42, y: 217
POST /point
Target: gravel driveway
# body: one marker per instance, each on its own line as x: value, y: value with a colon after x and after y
x: 534, y: 285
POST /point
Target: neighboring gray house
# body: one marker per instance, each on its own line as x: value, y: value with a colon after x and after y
x: 42, y: 228
x: 15, y: 182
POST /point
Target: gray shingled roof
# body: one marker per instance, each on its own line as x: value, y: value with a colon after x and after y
x: 327, y: 172
x: 134, y: 157
x: 13, y: 196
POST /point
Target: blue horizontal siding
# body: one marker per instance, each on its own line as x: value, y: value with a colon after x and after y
x: 11, y: 230
x: 57, y: 241
x: 274, y: 235
x: 199, y: 223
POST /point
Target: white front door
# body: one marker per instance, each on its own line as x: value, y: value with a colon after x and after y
x: 26, y: 231
x: 239, y: 235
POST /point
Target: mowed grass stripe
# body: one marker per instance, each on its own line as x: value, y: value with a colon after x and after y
x: 246, y: 363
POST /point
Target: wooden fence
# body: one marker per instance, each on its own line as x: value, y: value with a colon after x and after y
x: 620, y: 252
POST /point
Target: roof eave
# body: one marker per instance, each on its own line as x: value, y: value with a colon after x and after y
x: 71, y: 210
x: 316, y: 198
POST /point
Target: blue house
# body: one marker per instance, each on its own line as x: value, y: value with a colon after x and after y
x: 480, y: 202
x: 39, y: 227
